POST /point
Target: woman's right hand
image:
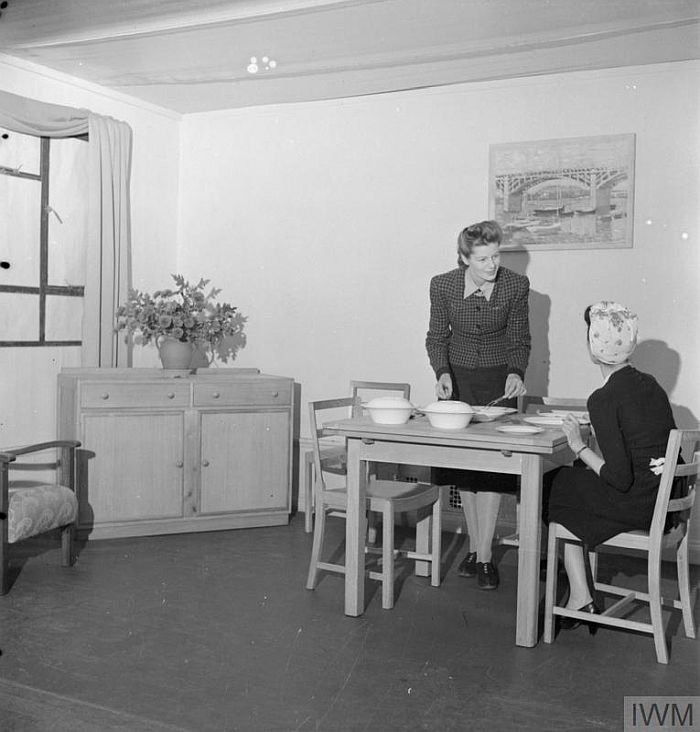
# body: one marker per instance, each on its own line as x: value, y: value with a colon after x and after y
x: 443, y: 388
x: 572, y: 429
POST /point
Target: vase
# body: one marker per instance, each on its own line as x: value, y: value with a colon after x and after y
x: 175, y: 354
x: 201, y: 358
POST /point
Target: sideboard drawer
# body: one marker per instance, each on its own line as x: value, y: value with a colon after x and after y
x: 95, y: 395
x: 244, y: 394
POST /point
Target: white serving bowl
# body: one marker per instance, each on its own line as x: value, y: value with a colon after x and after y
x: 389, y: 410
x: 449, y: 415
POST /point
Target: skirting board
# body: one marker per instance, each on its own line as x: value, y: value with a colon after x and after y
x: 452, y: 516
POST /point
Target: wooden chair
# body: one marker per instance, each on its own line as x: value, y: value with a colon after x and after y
x: 530, y: 404
x: 388, y: 497
x: 652, y: 542
x: 32, y: 507
x: 333, y: 455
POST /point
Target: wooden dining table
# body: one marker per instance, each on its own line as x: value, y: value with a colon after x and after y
x: 480, y: 446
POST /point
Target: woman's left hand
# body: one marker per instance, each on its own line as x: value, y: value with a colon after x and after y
x: 514, y: 387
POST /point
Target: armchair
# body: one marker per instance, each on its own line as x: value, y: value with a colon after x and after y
x: 32, y: 507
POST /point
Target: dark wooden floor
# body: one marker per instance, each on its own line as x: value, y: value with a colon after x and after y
x: 216, y: 632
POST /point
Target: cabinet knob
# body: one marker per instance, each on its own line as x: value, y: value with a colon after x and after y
x: 275, y: 394
x: 205, y: 463
x: 104, y: 396
x: 179, y: 463
x: 215, y: 395
x: 171, y: 395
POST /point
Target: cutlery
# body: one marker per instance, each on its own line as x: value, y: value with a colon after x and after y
x: 495, y: 401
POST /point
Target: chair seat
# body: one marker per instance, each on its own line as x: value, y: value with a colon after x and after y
x: 404, y: 496
x: 635, y: 539
x: 37, y: 507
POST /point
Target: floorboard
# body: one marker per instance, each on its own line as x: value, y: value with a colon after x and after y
x: 215, y: 632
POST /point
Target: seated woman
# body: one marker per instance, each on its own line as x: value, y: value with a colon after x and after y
x: 632, y: 418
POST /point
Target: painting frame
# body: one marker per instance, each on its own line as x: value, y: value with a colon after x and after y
x: 565, y: 193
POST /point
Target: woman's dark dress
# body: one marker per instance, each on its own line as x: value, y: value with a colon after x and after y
x: 632, y: 418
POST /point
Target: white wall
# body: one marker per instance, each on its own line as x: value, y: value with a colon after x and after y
x: 28, y: 375
x: 324, y: 222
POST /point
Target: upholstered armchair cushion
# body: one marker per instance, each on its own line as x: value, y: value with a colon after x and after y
x: 37, y: 507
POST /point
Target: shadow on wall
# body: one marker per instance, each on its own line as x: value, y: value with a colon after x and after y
x: 537, y: 377
x: 664, y: 364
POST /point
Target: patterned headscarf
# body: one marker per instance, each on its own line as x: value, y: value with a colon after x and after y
x: 612, y: 334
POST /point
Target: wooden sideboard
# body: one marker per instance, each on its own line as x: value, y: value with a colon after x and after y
x: 169, y: 452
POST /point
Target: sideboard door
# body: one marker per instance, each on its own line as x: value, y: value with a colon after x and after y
x: 135, y: 464
x: 244, y: 461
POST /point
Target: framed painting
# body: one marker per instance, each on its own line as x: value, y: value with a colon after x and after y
x: 571, y: 193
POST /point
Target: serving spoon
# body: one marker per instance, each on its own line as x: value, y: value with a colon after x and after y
x: 495, y: 401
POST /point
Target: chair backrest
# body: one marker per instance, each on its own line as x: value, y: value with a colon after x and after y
x: 357, y: 387
x: 680, y: 443
x: 532, y: 403
x: 318, y: 432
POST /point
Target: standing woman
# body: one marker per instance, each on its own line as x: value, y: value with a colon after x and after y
x: 478, y: 344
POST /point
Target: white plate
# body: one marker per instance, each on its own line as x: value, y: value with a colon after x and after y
x: 545, y: 421
x: 582, y: 417
x: 496, y: 411
x: 519, y: 429
x: 488, y: 414
x: 485, y: 417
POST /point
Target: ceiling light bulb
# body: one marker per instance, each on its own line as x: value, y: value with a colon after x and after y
x: 252, y: 68
x: 273, y: 63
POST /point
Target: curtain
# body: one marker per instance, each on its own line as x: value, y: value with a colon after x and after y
x: 109, y: 213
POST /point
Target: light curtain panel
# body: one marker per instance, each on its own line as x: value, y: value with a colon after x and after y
x: 570, y: 193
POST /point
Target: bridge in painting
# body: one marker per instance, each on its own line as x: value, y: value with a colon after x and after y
x: 596, y: 181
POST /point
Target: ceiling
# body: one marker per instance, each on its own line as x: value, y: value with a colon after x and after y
x: 194, y: 55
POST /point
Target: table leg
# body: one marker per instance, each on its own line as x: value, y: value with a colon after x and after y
x: 529, y: 551
x: 355, y: 530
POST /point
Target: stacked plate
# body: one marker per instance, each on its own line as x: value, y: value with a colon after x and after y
x: 488, y: 414
x: 519, y: 429
x: 555, y: 418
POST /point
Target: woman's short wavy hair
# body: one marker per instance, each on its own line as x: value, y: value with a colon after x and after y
x: 477, y: 235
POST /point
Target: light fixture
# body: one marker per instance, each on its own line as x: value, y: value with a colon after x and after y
x: 266, y: 64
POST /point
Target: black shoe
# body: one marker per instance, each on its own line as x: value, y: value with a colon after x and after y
x: 572, y: 623
x: 486, y: 575
x: 467, y: 568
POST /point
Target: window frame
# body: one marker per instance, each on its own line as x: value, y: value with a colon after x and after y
x: 43, y: 289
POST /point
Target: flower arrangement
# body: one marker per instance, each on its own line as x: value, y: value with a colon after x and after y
x: 187, y: 313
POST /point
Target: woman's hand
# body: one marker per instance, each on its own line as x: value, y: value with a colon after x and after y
x: 572, y: 430
x: 443, y: 388
x: 514, y: 387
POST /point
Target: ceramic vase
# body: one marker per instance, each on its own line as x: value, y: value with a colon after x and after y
x: 175, y: 354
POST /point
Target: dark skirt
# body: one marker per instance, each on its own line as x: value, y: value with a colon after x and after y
x: 478, y: 387
x: 579, y: 500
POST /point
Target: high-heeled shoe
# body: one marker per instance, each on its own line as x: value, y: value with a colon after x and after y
x: 571, y: 623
